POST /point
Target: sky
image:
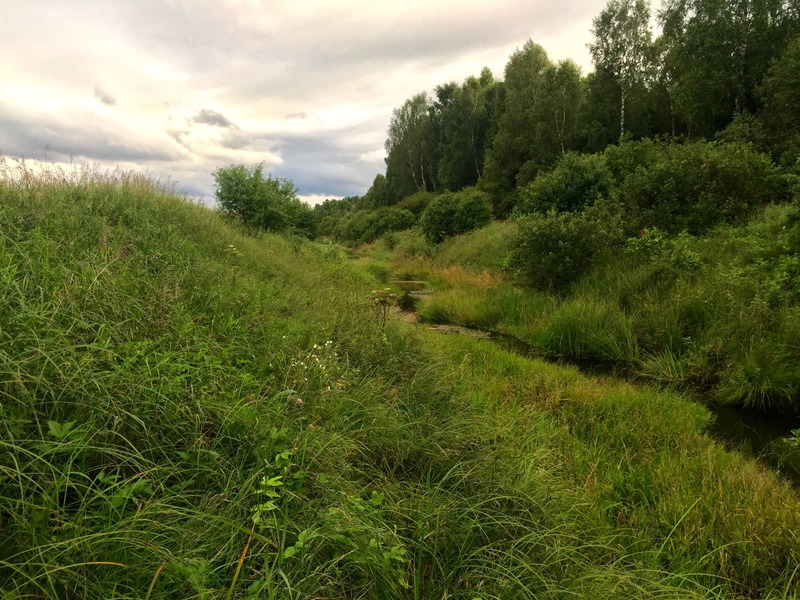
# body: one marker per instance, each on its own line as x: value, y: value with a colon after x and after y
x: 181, y: 88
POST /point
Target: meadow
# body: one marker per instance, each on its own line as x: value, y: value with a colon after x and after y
x: 190, y: 409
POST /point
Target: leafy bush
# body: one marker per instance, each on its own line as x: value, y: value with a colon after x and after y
x: 551, y: 251
x: 416, y: 203
x: 395, y: 219
x: 438, y: 219
x: 474, y: 210
x: 693, y: 186
x: 368, y: 225
x: 270, y: 204
x: 575, y: 182
x: 455, y: 213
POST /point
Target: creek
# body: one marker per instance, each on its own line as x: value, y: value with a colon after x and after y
x: 763, y: 435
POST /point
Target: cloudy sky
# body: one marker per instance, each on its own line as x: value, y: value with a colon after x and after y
x: 183, y: 87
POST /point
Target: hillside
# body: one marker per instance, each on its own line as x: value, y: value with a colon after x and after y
x: 188, y: 411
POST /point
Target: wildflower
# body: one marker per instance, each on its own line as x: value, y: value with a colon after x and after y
x: 299, y: 402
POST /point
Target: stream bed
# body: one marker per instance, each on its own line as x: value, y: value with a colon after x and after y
x: 766, y: 436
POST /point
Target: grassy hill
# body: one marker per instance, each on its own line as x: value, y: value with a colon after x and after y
x: 187, y: 411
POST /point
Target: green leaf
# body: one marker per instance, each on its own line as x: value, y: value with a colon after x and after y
x: 60, y: 431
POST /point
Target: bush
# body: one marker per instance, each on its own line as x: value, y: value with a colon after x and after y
x: 694, y: 186
x: 368, y: 225
x: 474, y: 210
x: 416, y: 203
x: 575, y: 182
x: 270, y: 204
x: 455, y: 213
x: 551, y: 251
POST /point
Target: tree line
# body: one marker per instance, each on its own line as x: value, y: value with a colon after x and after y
x: 727, y: 71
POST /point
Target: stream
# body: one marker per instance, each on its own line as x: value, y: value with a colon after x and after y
x: 763, y: 435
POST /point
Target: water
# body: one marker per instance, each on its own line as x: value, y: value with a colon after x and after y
x: 760, y: 434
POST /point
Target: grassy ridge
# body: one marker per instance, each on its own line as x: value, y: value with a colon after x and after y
x: 189, y: 412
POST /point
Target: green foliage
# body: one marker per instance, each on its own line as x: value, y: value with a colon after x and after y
x: 438, y: 220
x: 551, y: 251
x: 745, y: 128
x: 780, y: 95
x: 269, y: 204
x: 416, y: 203
x: 574, y: 183
x: 165, y: 433
x: 716, y: 55
x: 518, y: 139
x: 455, y: 213
x: 623, y: 48
x: 409, y: 149
x: 378, y: 194
x: 368, y: 225
x: 465, y: 117
x: 695, y: 185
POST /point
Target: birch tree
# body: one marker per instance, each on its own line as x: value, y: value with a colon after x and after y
x: 623, y: 47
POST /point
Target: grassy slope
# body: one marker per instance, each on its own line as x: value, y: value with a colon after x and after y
x: 718, y: 313
x: 186, y: 412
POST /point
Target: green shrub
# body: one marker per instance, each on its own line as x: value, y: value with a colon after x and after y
x: 368, y: 225
x: 575, y: 182
x: 395, y: 219
x: 270, y: 204
x: 415, y: 203
x: 473, y: 212
x: 551, y: 251
x: 694, y: 186
x: 455, y: 213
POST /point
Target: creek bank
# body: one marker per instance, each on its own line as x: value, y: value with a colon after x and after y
x: 763, y: 435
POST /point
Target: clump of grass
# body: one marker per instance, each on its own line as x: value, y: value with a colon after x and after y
x: 585, y: 327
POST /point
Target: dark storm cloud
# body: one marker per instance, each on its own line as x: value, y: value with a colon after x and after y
x: 323, y: 164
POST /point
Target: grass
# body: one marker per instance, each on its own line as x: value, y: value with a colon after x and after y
x: 191, y: 412
x: 716, y: 314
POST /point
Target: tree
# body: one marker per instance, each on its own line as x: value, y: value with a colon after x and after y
x: 465, y: 117
x: 265, y: 203
x: 378, y: 194
x: 781, y: 96
x: 519, y: 138
x: 623, y: 47
x: 717, y: 53
x: 562, y: 95
x: 409, y: 148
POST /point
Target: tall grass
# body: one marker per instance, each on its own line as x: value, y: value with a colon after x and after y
x: 717, y: 314
x: 191, y: 412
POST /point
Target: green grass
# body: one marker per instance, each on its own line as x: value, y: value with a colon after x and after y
x: 187, y: 411
x: 716, y: 314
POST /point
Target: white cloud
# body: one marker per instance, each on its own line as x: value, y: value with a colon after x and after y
x: 305, y: 87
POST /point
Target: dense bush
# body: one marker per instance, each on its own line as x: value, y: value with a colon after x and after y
x: 416, y: 203
x: 368, y: 225
x: 693, y: 186
x: 455, y: 213
x: 575, y: 182
x: 551, y: 251
x: 270, y: 204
